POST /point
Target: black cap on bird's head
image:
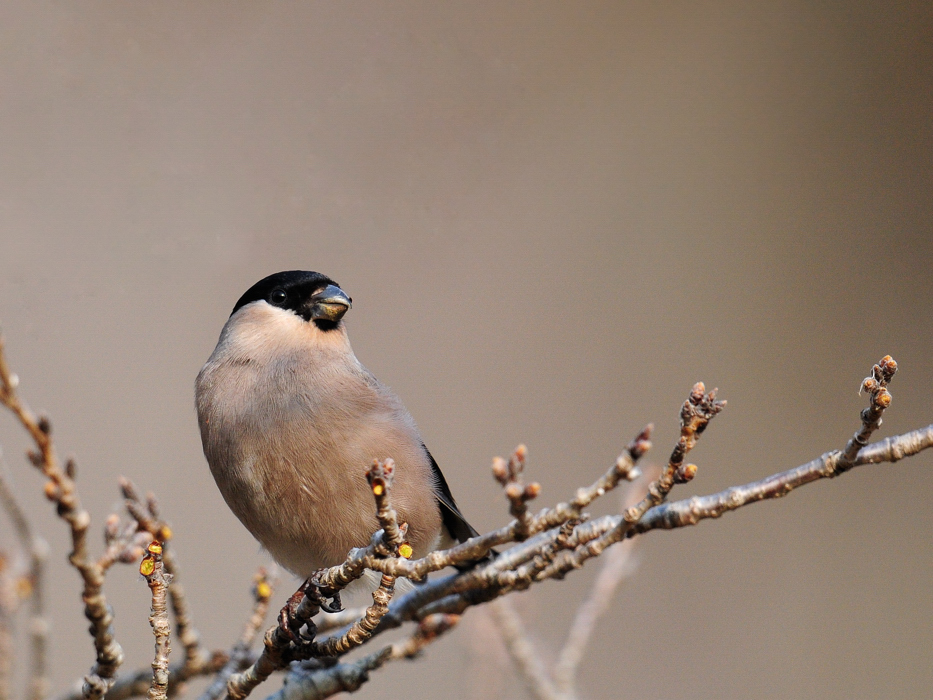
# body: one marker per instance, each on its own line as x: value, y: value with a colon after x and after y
x: 311, y: 295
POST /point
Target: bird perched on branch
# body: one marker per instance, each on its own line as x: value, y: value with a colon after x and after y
x: 290, y: 420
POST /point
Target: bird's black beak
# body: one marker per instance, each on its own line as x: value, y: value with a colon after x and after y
x: 329, y: 304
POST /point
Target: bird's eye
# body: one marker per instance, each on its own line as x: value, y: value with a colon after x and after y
x: 278, y: 297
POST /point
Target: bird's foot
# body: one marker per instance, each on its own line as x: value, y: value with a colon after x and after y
x: 289, y: 621
x: 292, y: 618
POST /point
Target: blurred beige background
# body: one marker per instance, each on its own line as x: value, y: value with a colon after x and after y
x: 553, y: 218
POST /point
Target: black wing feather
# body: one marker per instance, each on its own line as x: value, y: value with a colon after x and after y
x: 451, y: 516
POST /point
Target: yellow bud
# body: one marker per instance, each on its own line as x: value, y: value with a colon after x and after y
x: 155, y: 547
x: 24, y: 587
x: 147, y: 566
x: 405, y: 550
x: 263, y: 590
x: 165, y: 533
x: 378, y: 489
x: 51, y: 490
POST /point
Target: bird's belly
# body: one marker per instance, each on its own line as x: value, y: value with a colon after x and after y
x: 304, y: 524
x: 309, y: 515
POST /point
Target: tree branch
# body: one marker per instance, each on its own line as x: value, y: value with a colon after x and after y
x: 30, y: 584
x: 153, y: 568
x: 540, y: 546
x: 60, y: 488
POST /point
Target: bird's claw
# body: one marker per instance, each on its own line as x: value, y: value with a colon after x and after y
x: 289, y: 620
x: 333, y: 605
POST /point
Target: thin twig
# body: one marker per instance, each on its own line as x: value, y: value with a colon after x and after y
x: 876, y: 384
x: 348, y: 677
x: 279, y: 642
x: 522, y: 651
x: 509, y: 476
x: 153, y: 568
x: 546, y: 545
x: 360, y: 632
x: 148, y: 519
x: 9, y: 600
x: 60, y: 488
x: 617, y: 566
x: 386, y: 543
x: 32, y: 584
x: 476, y: 548
x: 453, y: 593
x: 339, y: 620
x: 136, y: 684
x: 263, y: 586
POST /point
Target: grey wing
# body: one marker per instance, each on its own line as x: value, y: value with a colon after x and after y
x: 451, y: 516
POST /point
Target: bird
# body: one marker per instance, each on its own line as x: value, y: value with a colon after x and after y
x: 290, y: 421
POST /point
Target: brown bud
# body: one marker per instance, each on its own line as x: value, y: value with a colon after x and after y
x: 500, y: 469
x: 130, y: 554
x: 112, y: 526
x: 697, y: 393
x: 686, y: 473
x: 52, y: 491
x: 514, y: 491
x: 883, y: 399
x: 869, y: 384
x: 888, y: 367
x: 532, y: 490
x: 44, y: 425
x: 641, y: 444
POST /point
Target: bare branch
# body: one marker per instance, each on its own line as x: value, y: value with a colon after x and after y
x: 617, y: 566
x: 136, y: 684
x: 339, y: 620
x: 477, y: 548
x: 544, y: 545
x: 387, y: 542
x: 278, y: 641
x: 348, y: 677
x: 827, y: 466
x: 876, y: 385
x: 32, y: 585
x: 509, y: 476
x: 360, y: 632
x: 148, y: 519
x: 153, y: 568
x: 526, y: 657
x: 60, y: 488
x: 239, y: 659
x: 8, y: 604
